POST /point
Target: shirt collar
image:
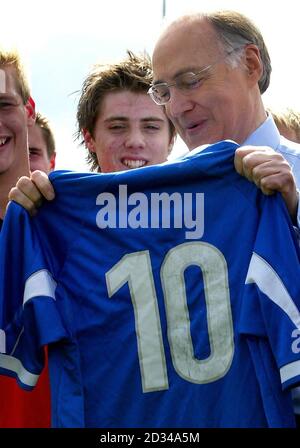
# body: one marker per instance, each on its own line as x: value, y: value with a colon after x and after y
x: 266, y: 134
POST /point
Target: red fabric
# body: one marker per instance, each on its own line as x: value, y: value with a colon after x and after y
x: 25, y: 409
x: 32, y: 103
x: 30, y: 107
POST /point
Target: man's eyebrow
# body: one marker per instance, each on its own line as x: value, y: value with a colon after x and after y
x: 189, y: 69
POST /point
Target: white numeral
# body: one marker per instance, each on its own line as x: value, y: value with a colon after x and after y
x: 136, y: 270
x: 219, y: 321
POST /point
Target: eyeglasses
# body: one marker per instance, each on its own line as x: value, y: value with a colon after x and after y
x: 161, y: 94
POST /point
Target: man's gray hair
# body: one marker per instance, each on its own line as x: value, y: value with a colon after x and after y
x: 235, y: 31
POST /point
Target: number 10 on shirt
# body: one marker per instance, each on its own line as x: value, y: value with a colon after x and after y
x: 136, y: 270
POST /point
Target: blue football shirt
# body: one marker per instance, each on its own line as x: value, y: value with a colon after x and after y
x: 168, y: 297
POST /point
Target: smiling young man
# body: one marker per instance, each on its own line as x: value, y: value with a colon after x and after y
x: 121, y: 126
x: 128, y: 132
x: 18, y: 408
x: 15, y: 117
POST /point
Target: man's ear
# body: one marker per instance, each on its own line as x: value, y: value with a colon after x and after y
x: 52, y: 161
x: 30, y: 109
x: 88, y: 140
x: 253, y: 63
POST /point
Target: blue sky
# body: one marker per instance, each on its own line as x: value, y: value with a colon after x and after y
x: 60, y: 41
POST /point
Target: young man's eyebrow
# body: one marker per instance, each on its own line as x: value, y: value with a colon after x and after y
x: 124, y: 119
x: 115, y: 118
x: 152, y: 119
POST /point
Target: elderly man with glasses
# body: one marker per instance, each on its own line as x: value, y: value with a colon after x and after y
x: 210, y: 71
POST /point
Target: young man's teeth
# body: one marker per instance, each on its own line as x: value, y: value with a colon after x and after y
x: 3, y: 140
x: 134, y: 163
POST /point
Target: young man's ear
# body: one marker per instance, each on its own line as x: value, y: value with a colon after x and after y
x: 88, y: 140
x: 52, y: 161
x: 31, y: 114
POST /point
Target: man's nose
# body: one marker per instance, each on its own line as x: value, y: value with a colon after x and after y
x: 178, y: 103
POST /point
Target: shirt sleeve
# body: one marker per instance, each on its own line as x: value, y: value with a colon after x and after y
x: 271, y: 300
x: 30, y: 316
